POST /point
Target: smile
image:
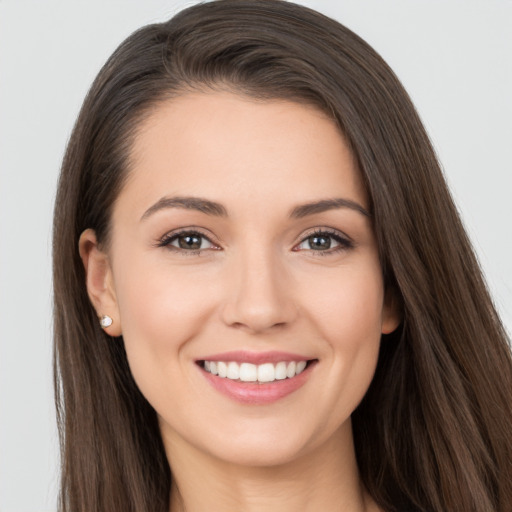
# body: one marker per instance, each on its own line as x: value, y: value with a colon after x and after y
x: 248, y: 372
x: 256, y: 378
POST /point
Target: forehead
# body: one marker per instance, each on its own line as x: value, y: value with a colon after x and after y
x: 228, y: 146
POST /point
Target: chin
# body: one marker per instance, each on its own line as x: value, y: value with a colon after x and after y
x: 262, y: 453
x: 270, y: 445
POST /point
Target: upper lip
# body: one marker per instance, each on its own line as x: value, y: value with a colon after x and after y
x: 243, y: 356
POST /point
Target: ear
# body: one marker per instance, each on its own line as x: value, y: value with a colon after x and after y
x: 99, y: 280
x: 391, y: 312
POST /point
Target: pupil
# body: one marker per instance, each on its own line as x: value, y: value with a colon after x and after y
x: 190, y: 242
x: 320, y: 242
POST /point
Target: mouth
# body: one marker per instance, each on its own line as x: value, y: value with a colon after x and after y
x: 255, y: 373
x: 264, y: 380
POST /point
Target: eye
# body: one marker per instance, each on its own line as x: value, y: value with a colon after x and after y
x: 189, y: 241
x: 325, y: 241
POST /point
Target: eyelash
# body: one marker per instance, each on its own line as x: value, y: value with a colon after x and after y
x: 168, y: 238
x: 344, y: 242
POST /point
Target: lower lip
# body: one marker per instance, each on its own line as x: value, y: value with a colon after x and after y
x: 258, y: 394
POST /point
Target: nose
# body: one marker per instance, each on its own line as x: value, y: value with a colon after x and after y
x: 259, y: 295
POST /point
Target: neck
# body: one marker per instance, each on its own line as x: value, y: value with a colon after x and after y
x: 326, y: 478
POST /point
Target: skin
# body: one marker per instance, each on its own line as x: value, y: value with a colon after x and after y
x: 259, y: 283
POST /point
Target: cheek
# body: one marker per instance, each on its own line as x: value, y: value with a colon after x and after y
x: 160, y: 312
x: 349, y: 319
x: 348, y: 305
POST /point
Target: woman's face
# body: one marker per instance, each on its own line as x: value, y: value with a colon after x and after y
x: 241, y: 239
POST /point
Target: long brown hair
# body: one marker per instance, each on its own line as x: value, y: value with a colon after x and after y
x: 433, y: 432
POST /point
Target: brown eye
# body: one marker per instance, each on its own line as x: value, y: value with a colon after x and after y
x: 324, y: 242
x: 187, y: 241
x: 319, y: 242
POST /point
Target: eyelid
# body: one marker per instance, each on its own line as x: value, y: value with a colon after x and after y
x: 324, y: 230
x: 344, y: 241
x: 167, y: 238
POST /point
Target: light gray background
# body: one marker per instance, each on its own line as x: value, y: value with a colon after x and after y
x: 454, y: 57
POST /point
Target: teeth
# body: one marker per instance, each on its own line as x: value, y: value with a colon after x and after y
x: 247, y: 372
x: 281, y: 371
x: 222, y: 369
x: 233, y: 371
x: 290, y: 369
x: 266, y: 372
x: 300, y: 367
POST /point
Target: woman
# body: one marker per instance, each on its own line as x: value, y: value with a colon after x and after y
x: 222, y: 345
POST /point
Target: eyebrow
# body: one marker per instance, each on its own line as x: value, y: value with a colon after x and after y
x: 327, y: 204
x: 187, y: 203
x: 217, y: 210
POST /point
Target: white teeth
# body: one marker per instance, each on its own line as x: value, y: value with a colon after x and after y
x: 281, y: 371
x: 266, y: 372
x: 300, y: 367
x: 222, y: 369
x: 290, y: 369
x: 233, y: 371
x: 247, y: 372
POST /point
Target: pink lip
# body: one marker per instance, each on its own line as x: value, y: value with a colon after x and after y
x: 255, y: 393
x: 243, y: 356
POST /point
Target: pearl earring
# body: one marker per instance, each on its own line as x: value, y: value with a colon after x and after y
x: 106, y: 321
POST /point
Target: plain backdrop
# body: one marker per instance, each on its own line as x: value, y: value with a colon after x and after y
x: 453, y: 56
